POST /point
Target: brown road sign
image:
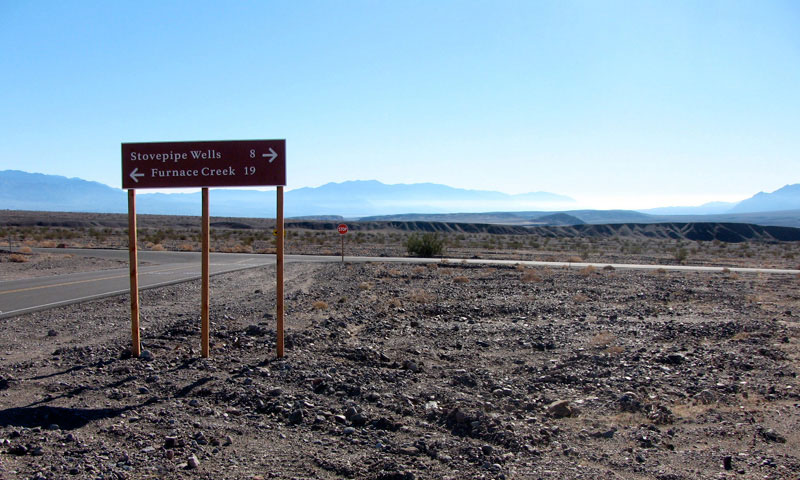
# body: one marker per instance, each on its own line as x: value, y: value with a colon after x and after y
x: 233, y: 163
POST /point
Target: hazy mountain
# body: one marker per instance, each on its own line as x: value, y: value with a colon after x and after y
x: 711, y: 208
x: 36, y: 191
x: 574, y: 217
x: 785, y: 198
x: 376, y: 201
x: 31, y: 191
x: 370, y: 197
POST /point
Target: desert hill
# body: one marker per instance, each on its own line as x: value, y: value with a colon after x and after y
x: 694, y: 231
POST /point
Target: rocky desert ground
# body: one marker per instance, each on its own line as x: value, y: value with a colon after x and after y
x: 400, y: 371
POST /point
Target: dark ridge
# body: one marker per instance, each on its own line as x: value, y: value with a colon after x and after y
x: 231, y: 225
x: 694, y: 231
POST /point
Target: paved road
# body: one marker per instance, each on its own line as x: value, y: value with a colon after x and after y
x: 164, y: 268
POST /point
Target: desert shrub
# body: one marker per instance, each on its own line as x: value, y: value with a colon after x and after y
x: 461, y: 280
x: 365, y: 286
x: 609, y: 268
x: 320, y: 305
x: 574, y: 259
x: 585, y: 272
x: 395, y: 302
x: 186, y: 247
x: 615, y: 349
x: 17, y: 258
x: 421, y: 296
x: 157, y: 248
x: 25, y: 250
x: 602, y: 339
x: 579, y: 298
x: 681, y: 254
x: 425, y: 245
x: 531, y: 276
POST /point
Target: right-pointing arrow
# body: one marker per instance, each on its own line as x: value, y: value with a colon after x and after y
x: 134, y: 175
x: 271, y: 155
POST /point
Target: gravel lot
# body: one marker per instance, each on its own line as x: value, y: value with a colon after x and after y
x: 412, y: 372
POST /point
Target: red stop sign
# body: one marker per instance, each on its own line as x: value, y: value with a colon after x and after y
x: 342, y: 228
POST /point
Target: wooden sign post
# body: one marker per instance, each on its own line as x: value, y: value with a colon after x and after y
x: 205, y: 326
x: 136, y: 344
x: 236, y: 163
x: 279, y: 274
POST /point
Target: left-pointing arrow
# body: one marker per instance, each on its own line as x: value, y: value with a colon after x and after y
x: 134, y: 175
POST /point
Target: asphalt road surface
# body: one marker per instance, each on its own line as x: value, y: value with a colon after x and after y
x: 157, y: 269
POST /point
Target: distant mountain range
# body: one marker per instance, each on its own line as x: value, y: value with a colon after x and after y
x: 377, y: 201
x: 35, y: 191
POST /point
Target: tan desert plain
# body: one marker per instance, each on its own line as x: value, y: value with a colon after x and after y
x: 446, y: 369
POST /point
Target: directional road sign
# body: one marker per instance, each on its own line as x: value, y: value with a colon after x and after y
x: 233, y: 163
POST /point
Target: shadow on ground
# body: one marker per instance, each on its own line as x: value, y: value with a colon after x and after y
x: 65, y: 418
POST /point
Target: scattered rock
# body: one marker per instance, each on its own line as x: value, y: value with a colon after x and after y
x: 629, y: 402
x: 411, y: 451
x: 296, y: 416
x: 146, y: 355
x: 411, y: 366
x: 705, y: 397
x: 727, y: 462
x: 358, y: 420
x: 256, y: 330
x: 771, y: 435
x: 561, y: 409
x: 604, y: 433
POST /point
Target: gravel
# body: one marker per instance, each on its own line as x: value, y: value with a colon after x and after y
x: 602, y: 374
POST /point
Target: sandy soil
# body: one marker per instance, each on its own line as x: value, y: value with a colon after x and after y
x: 15, y: 265
x: 410, y: 372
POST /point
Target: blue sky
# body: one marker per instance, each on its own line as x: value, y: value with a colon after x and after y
x: 616, y: 103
